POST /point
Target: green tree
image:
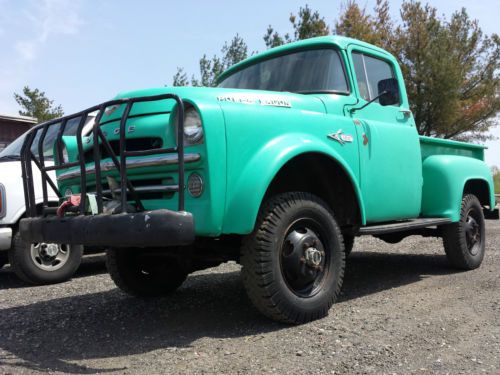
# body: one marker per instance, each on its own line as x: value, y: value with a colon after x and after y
x: 452, y: 72
x: 180, y: 78
x: 359, y: 23
x: 306, y: 24
x: 211, y: 68
x: 34, y: 103
x: 496, y: 178
x: 450, y: 67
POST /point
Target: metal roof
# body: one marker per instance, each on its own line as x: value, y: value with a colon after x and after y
x: 18, y: 118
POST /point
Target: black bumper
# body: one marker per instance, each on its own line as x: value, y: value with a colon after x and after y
x: 491, y: 214
x: 159, y: 228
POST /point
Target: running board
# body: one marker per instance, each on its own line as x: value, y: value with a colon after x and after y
x: 402, y: 226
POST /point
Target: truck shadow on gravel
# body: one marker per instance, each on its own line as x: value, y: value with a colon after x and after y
x: 57, y: 334
x: 90, y: 266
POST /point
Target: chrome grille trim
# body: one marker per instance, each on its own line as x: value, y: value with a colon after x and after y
x: 148, y: 189
x: 170, y: 159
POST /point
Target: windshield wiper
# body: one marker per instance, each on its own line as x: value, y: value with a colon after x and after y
x: 10, y: 157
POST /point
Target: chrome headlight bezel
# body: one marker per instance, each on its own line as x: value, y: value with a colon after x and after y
x: 193, y: 125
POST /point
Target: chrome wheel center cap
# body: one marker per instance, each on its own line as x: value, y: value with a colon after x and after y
x: 313, y: 257
x: 51, y: 249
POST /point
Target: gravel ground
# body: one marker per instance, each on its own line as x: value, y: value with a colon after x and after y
x: 402, y: 311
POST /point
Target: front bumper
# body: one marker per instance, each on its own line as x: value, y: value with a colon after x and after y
x: 5, y: 238
x: 158, y: 228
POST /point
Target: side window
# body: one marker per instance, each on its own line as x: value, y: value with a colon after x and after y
x: 369, y: 72
x: 362, y: 80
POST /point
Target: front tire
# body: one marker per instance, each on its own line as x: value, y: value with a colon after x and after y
x: 293, y: 262
x: 464, y: 241
x: 43, y: 263
x: 143, y: 276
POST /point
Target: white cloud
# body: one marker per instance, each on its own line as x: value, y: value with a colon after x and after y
x: 49, y: 18
x: 26, y: 50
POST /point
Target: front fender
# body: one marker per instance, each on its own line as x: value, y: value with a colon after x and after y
x: 445, y: 177
x: 245, y: 196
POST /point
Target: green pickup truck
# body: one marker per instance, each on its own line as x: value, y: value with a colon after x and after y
x: 297, y: 151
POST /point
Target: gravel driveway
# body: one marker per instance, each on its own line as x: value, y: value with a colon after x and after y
x: 402, y: 311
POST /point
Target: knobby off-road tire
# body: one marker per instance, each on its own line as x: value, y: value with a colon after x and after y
x: 143, y: 276
x: 348, y: 244
x: 293, y: 262
x: 464, y: 241
x: 34, y: 264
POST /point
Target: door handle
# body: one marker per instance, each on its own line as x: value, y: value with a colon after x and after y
x: 405, y: 112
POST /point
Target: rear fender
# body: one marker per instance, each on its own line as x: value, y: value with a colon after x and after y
x: 445, y: 177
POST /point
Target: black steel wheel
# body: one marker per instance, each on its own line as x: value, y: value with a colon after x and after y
x: 293, y: 263
x: 144, y: 275
x: 464, y: 241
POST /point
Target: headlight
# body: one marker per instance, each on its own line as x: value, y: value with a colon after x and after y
x: 193, y: 129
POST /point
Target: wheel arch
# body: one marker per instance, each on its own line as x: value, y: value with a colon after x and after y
x: 480, y: 188
x: 331, y: 183
x: 265, y: 169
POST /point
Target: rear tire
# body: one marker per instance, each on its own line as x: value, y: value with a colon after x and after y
x: 293, y: 262
x: 35, y: 264
x: 143, y: 276
x: 464, y: 241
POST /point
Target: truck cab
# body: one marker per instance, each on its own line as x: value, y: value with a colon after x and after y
x: 297, y: 151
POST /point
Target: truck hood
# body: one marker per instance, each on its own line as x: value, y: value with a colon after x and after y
x: 199, y: 96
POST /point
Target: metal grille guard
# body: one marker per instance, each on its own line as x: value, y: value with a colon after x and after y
x: 27, y: 156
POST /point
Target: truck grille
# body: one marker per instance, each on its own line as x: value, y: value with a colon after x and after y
x: 146, y: 189
x: 131, y: 144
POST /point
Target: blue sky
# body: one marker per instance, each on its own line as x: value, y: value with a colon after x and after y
x: 83, y: 52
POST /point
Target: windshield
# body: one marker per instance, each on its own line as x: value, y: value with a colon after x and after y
x: 13, y: 150
x: 310, y: 71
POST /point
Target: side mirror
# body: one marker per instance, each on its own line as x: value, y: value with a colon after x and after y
x: 389, y: 88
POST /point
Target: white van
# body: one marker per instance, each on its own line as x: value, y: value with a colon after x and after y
x: 36, y: 263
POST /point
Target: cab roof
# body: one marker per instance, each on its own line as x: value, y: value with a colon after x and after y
x: 340, y: 42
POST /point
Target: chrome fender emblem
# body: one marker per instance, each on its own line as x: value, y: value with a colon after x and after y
x: 340, y: 137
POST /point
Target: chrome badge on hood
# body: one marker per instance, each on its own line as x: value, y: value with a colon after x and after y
x: 267, y: 100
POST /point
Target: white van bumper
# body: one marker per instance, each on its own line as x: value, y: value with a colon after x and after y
x: 5, y: 238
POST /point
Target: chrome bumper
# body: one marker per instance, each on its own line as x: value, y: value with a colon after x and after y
x: 5, y: 238
x: 133, y: 163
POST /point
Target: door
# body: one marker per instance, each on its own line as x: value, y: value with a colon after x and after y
x: 390, y: 159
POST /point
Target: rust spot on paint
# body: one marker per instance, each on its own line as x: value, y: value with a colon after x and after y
x: 365, y: 140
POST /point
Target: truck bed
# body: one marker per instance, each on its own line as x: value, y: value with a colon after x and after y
x: 438, y: 146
